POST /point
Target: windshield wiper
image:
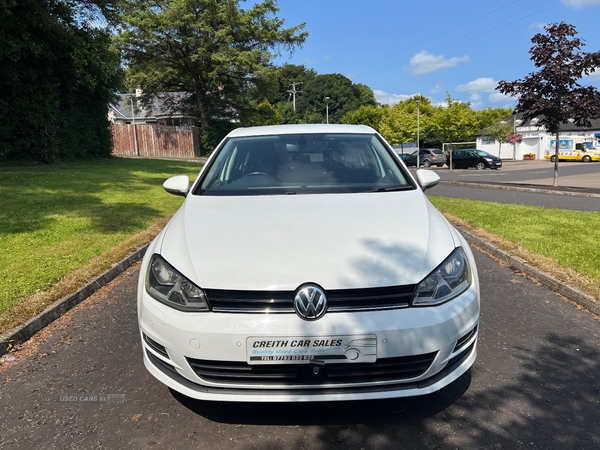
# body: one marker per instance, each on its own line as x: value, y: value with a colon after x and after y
x: 392, y: 188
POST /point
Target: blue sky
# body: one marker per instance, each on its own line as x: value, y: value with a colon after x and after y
x: 400, y: 47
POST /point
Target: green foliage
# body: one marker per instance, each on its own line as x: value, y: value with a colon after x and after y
x: 283, y: 77
x: 539, y: 230
x: 56, y: 77
x: 498, y: 132
x: 366, y: 115
x: 455, y: 122
x: 214, y: 49
x: 400, y: 122
x: 56, y: 218
x: 267, y: 114
x: 344, y: 97
x: 488, y: 116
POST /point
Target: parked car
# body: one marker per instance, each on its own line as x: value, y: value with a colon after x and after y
x: 472, y: 157
x: 283, y: 276
x: 427, y: 157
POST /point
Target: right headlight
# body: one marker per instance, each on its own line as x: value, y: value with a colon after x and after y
x: 165, y: 284
x: 450, y: 279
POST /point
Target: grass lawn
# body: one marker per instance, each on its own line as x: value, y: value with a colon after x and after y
x: 66, y: 219
x: 61, y: 225
x: 563, y: 243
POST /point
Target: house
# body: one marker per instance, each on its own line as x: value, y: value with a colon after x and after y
x: 160, y: 109
x: 536, y: 139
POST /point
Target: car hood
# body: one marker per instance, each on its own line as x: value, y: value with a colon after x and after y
x: 339, y: 241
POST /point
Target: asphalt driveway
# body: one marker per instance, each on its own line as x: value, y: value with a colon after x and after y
x: 81, y: 383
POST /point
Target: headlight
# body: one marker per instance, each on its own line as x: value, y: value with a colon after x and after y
x: 488, y: 159
x: 448, y: 280
x: 168, y: 286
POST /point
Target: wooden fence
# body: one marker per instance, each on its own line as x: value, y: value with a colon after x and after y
x: 156, y: 141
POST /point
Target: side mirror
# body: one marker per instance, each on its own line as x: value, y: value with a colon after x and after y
x: 179, y: 185
x: 427, y: 178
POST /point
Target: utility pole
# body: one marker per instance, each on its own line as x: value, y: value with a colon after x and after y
x: 293, y: 92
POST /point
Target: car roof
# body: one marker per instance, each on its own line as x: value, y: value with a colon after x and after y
x: 301, y: 128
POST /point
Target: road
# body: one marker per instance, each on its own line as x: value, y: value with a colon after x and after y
x: 541, y: 172
x: 574, y: 178
x: 534, y: 386
x: 491, y: 194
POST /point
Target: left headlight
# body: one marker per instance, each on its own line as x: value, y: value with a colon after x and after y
x: 165, y: 284
x: 448, y: 280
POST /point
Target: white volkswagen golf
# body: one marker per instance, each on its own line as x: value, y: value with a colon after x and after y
x: 306, y: 264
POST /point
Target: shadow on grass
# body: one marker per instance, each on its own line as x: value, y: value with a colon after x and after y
x: 33, y: 197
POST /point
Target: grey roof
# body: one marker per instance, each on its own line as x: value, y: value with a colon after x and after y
x: 157, y: 106
x: 595, y: 124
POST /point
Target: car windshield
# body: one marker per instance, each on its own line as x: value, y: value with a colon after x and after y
x: 481, y: 153
x: 303, y: 163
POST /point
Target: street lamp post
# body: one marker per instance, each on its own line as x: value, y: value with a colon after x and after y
x: 418, y: 131
x: 327, y: 109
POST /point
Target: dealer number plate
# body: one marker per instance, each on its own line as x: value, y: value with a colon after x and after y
x: 302, y: 350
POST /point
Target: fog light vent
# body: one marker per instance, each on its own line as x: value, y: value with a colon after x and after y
x: 156, y: 347
x: 464, y: 339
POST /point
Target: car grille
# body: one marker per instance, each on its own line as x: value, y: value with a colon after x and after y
x: 341, y: 300
x: 384, y: 369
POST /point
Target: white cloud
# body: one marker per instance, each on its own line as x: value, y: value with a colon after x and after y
x: 497, y: 97
x: 579, y: 4
x: 475, y: 100
x: 437, y: 88
x: 484, y: 84
x: 425, y: 62
x: 389, y: 99
x: 537, y: 26
x: 593, y: 77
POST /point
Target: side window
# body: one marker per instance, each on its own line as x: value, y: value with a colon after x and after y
x: 459, y: 153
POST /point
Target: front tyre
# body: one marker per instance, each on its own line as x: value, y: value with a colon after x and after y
x: 480, y: 165
x: 553, y: 158
x: 586, y: 158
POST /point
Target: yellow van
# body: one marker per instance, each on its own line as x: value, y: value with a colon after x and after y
x: 572, y: 150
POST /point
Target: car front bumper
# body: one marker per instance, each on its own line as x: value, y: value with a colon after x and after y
x: 204, y: 355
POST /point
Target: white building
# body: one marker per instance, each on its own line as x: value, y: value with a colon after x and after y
x: 536, y: 139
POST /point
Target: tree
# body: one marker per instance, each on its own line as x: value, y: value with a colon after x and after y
x: 552, y: 94
x: 288, y: 74
x: 406, y: 120
x: 498, y: 132
x: 344, y: 96
x: 57, y: 75
x: 267, y: 114
x: 213, y: 49
x: 454, y: 122
x: 366, y: 115
x: 489, y: 116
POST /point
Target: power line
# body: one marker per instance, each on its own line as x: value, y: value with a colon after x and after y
x: 484, y: 30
